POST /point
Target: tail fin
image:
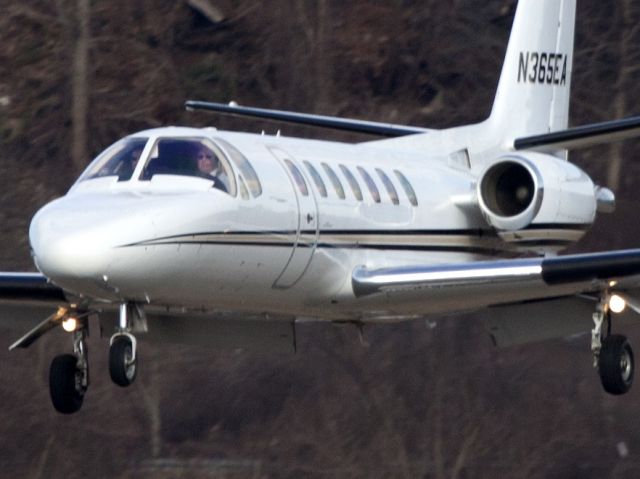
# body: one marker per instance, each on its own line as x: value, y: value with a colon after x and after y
x: 533, y: 92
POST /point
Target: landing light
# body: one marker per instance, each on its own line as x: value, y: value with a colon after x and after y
x: 70, y: 324
x: 617, y: 304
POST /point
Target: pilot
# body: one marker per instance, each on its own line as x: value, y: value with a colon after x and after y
x: 209, y: 167
x: 128, y: 165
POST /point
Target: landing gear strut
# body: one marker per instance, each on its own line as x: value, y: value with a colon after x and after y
x: 69, y: 375
x: 613, y: 356
x: 123, y: 362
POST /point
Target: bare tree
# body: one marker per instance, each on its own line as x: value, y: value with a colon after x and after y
x: 80, y: 85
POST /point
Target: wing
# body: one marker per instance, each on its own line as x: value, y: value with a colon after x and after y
x: 528, y: 299
x: 27, y: 298
x: 29, y: 287
x: 571, y: 272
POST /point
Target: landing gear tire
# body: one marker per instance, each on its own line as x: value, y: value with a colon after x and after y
x: 122, y: 365
x: 616, y: 365
x: 65, y: 384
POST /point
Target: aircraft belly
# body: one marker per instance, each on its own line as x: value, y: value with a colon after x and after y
x: 196, y: 275
x: 219, y: 330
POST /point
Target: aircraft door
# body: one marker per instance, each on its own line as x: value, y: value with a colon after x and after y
x: 306, y: 236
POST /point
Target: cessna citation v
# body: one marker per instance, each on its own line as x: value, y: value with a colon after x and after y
x: 224, y: 238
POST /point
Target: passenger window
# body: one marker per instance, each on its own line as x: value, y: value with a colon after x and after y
x: 355, y: 187
x: 194, y: 157
x: 373, y: 189
x: 297, y: 176
x: 408, y: 189
x: 391, y: 190
x: 335, y: 181
x: 317, y: 179
x: 244, y: 166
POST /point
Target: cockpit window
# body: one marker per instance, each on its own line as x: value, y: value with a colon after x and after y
x: 119, y: 160
x: 244, y: 192
x: 245, y: 167
x: 190, y: 157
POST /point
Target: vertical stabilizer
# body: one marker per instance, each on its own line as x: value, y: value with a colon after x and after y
x: 533, y: 92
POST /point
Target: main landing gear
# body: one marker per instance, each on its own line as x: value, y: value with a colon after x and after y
x: 69, y: 373
x: 612, y: 353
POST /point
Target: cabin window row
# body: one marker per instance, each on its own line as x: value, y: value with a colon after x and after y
x: 352, y: 181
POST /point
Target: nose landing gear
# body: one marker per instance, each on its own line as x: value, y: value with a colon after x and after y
x: 613, y: 356
x: 123, y: 361
x: 69, y: 373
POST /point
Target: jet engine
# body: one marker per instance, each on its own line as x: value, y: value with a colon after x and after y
x: 537, y: 192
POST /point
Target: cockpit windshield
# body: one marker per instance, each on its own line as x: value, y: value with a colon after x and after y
x: 119, y: 160
x: 194, y: 157
x: 154, y: 162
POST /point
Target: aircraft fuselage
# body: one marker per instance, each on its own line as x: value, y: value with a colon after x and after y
x: 174, y: 241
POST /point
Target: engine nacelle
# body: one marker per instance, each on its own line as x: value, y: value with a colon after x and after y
x: 538, y: 192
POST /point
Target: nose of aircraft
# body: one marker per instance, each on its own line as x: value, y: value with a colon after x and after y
x: 70, y: 245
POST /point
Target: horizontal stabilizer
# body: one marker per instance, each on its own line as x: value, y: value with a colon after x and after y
x: 581, y: 136
x: 344, y: 124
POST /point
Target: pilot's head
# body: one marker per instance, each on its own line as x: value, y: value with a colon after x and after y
x: 135, y: 155
x: 207, y: 160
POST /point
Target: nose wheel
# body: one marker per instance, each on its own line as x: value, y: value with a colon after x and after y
x: 123, y: 363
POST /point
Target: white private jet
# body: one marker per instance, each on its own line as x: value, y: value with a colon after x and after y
x: 226, y: 238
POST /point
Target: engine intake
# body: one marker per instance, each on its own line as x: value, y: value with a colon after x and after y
x: 535, y: 200
x: 510, y: 193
